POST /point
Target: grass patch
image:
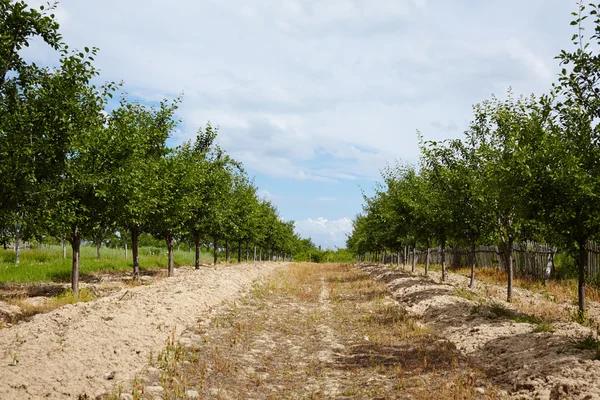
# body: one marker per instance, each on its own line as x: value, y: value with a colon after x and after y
x: 590, y: 342
x: 47, y: 264
x: 52, y: 303
x: 465, y: 294
x: 499, y: 310
x: 312, y: 331
x: 544, y: 327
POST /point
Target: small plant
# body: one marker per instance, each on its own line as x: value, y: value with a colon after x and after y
x: 465, y: 294
x: 544, y: 327
x: 499, y: 310
x: 589, y: 342
x: 582, y: 318
x: 526, y: 319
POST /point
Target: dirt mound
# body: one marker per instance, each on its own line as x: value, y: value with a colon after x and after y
x: 88, y: 348
x: 518, y: 352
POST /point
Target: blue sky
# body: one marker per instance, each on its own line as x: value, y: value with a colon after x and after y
x: 315, y: 96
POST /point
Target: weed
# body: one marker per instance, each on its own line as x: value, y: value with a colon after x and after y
x: 582, y: 318
x: 499, y: 310
x: 544, y: 327
x: 465, y: 294
x: 588, y: 343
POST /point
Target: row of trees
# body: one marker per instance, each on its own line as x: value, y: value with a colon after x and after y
x: 526, y: 169
x: 70, y: 167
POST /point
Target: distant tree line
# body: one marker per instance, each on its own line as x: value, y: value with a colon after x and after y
x: 526, y: 169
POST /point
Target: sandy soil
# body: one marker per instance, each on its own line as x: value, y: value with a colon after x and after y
x: 89, y: 348
x: 525, y: 363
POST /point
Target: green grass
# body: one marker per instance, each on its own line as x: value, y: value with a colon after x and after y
x: 544, y: 327
x: 589, y: 343
x: 47, y: 264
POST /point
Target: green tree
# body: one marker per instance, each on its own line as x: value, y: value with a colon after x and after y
x: 139, y: 135
x: 571, y: 179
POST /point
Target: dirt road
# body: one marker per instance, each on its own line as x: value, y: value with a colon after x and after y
x: 89, y: 348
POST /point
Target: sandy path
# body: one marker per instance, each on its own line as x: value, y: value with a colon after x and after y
x: 67, y: 352
x: 525, y: 363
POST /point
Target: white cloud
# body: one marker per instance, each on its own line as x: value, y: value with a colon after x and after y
x: 327, y: 233
x: 321, y: 90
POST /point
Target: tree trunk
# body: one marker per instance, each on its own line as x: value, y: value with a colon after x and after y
x: 239, y: 252
x: 98, y: 245
x: 76, y: 245
x: 215, y: 251
x: 17, y: 246
x: 508, y: 254
x: 64, y: 248
x: 582, y: 265
x: 405, y: 258
x: 260, y: 254
x: 473, y: 262
x: 414, y: 257
x: 227, y: 251
x: 135, y: 252
x: 427, y: 257
x: 170, y: 247
x: 444, y: 259
x: 254, y: 258
x: 197, y: 244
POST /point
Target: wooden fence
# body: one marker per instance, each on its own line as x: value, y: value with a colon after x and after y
x: 532, y: 260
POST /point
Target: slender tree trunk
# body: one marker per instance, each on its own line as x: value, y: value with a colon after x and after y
x: 17, y: 246
x: 64, y: 248
x: 197, y: 245
x: 247, y: 252
x: 582, y: 265
x: 125, y: 250
x: 76, y: 245
x: 254, y: 258
x: 473, y: 262
x: 135, y: 251
x: 414, y: 257
x: 427, y: 257
x: 239, y: 252
x: 508, y: 253
x: 227, y: 251
x: 170, y: 247
x: 98, y: 245
x: 443, y: 259
x: 405, y: 258
x: 215, y: 251
x: 260, y: 254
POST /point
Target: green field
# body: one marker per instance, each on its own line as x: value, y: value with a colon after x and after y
x: 47, y: 264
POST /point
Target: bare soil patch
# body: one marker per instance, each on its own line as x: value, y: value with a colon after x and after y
x: 86, y: 349
x: 530, y: 348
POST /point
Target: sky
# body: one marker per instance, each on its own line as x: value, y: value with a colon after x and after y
x: 315, y: 97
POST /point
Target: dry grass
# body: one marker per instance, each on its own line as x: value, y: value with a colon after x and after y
x: 562, y: 290
x: 315, y: 332
x: 51, y: 303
